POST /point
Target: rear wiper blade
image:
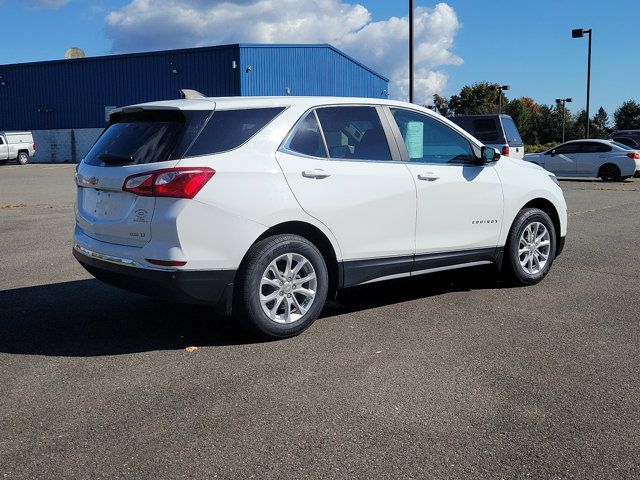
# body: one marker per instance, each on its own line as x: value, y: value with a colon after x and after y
x: 112, y: 158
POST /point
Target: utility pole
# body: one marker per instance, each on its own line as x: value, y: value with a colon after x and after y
x: 410, y: 51
x: 500, y: 89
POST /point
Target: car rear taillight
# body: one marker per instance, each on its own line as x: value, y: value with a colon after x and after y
x: 634, y: 155
x: 166, y: 263
x: 505, y: 150
x: 34, y: 146
x: 181, y: 182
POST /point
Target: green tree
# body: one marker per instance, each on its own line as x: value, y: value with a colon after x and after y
x: 441, y: 104
x: 599, y: 126
x: 578, y: 129
x: 479, y: 98
x: 628, y: 116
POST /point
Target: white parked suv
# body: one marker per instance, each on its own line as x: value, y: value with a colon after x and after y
x: 265, y: 206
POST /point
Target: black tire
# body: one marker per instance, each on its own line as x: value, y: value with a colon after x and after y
x: 512, y: 267
x: 3, y: 162
x: 609, y: 173
x: 23, y: 158
x: 248, y: 307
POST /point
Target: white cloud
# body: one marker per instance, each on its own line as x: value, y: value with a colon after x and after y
x: 159, y: 24
x: 52, y: 4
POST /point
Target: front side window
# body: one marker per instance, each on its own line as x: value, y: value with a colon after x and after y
x: 565, y: 149
x: 430, y: 141
x: 307, y: 138
x: 228, y: 129
x: 1, y: 141
x: 354, y: 132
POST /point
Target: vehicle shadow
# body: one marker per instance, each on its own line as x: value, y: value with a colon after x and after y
x: 88, y: 318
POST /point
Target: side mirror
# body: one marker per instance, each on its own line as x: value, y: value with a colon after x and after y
x: 488, y: 155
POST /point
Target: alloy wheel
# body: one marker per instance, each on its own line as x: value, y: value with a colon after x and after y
x: 288, y: 288
x: 534, y: 248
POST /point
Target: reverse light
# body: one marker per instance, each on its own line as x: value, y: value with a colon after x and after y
x: 179, y: 182
x: 505, y: 150
x: 634, y: 155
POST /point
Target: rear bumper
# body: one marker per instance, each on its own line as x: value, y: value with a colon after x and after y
x: 213, y: 287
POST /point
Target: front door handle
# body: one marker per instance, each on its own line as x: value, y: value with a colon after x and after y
x: 315, y: 173
x: 428, y: 176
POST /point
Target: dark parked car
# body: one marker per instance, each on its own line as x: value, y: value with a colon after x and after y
x: 497, y: 131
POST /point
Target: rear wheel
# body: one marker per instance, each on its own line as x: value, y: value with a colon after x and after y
x: 3, y: 162
x: 23, y: 158
x: 530, y: 248
x: 281, y: 286
x: 609, y: 173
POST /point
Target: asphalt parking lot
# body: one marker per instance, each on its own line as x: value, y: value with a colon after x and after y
x: 447, y: 376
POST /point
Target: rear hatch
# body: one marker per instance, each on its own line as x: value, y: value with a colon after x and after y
x: 137, y: 140
x: 516, y: 145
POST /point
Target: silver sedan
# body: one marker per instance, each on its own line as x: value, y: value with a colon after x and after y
x: 604, y: 159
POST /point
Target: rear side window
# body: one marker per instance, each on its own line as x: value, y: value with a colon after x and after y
x: 485, y: 130
x: 228, y: 129
x: 307, y: 139
x: 593, y: 147
x: 566, y: 148
x: 1, y: 141
x: 354, y: 132
x: 147, y: 136
x: 511, y: 131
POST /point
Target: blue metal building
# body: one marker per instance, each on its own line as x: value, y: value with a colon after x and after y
x: 76, y: 94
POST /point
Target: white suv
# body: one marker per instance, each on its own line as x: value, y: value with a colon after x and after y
x: 264, y: 206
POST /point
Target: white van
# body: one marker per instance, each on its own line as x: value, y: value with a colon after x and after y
x: 17, y: 146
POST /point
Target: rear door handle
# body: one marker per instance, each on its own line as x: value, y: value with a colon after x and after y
x: 428, y: 176
x: 315, y: 173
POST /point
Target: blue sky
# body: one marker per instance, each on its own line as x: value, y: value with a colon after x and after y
x: 526, y: 44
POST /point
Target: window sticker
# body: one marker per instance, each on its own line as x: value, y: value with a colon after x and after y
x: 414, y: 139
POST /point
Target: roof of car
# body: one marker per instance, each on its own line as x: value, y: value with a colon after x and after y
x: 224, y: 103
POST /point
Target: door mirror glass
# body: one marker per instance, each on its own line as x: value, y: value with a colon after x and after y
x: 489, y: 154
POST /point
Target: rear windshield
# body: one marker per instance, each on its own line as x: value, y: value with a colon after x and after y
x: 511, y: 131
x: 485, y: 130
x: 148, y: 136
x: 623, y: 146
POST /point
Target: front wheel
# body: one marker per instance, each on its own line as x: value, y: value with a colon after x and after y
x: 281, y: 287
x: 531, y: 247
x: 23, y: 158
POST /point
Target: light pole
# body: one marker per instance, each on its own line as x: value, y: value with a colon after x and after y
x: 500, y: 88
x: 579, y: 33
x: 410, y: 51
x: 563, y: 101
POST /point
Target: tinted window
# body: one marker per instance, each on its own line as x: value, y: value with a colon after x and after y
x: 1, y: 141
x: 354, y: 132
x: 307, y: 138
x: 228, y: 129
x: 428, y: 140
x: 593, y: 147
x: 566, y: 148
x: 511, y: 131
x: 485, y: 129
x: 626, y: 143
x: 146, y: 136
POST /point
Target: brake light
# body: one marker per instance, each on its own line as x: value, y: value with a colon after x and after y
x: 634, y: 155
x: 34, y: 146
x: 505, y: 150
x: 182, y: 182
